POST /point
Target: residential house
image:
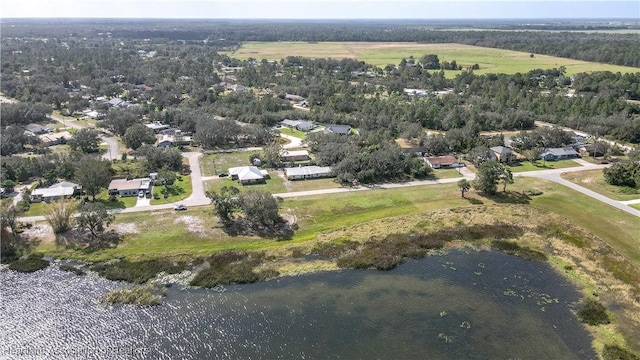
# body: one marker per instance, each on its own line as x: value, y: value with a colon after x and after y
x: 447, y: 161
x: 416, y: 92
x: 554, y: 154
x: 338, y: 129
x: 61, y: 190
x: 236, y: 87
x: 248, y: 174
x: 414, y: 150
x: 307, y: 172
x: 175, y: 139
x: 126, y: 187
x: 293, y: 97
x: 300, y: 125
x: 294, y: 155
x: 501, y: 154
x: 55, y: 138
x: 35, y: 129
x: 157, y: 126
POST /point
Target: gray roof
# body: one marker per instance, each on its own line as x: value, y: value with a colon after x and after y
x: 338, y: 129
x: 501, y: 150
x: 565, y: 151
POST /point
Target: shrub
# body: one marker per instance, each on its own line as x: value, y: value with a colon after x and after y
x: 31, y: 264
x: 143, y: 295
x: 593, y: 313
x: 232, y: 267
x: 137, y: 272
x: 614, y: 352
x: 72, y: 269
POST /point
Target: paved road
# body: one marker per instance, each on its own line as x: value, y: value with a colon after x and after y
x: 555, y: 176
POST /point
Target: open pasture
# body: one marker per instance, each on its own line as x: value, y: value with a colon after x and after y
x: 381, y: 54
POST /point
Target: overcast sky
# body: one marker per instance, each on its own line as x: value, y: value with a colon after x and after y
x: 323, y: 9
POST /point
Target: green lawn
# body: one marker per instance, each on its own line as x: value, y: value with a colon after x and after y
x: 180, y: 190
x: 446, y: 173
x: 293, y: 132
x: 539, y: 165
x: 312, y: 184
x: 594, y: 181
x: 635, y: 206
x: 217, y: 163
x: 490, y: 60
x: 618, y: 228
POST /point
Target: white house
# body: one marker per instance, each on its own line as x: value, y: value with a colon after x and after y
x: 57, y: 191
x: 307, y: 172
x: 124, y: 187
x: 248, y: 174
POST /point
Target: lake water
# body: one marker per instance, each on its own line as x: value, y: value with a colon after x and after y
x: 476, y: 305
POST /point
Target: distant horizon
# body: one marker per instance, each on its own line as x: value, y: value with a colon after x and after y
x: 324, y: 9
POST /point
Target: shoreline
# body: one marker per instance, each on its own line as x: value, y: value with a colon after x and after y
x: 580, y: 257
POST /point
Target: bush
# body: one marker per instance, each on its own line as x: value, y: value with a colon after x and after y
x: 614, y: 352
x: 514, y: 249
x: 137, y: 272
x: 593, y: 313
x: 31, y: 264
x: 72, y: 269
x: 232, y: 267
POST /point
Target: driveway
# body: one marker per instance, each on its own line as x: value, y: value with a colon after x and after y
x: 294, y: 141
x: 113, y: 153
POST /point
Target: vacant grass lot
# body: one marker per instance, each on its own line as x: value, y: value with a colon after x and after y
x: 380, y: 54
x: 594, y: 181
x: 539, y: 165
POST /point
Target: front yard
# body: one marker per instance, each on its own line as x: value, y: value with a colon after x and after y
x: 293, y: 132
x: 540, y: 165
x: 180, y: 190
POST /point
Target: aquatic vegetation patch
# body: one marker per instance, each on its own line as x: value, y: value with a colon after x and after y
x: 143, y: 295
x: 233, y: 267
x: 31, y: 264
x: 137, y: 272
x: 72, y: 269
x: 512, y: 248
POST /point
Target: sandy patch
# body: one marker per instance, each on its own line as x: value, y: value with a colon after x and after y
x: 193, y: 223
x: 41, y: 231
x: 126, y: 228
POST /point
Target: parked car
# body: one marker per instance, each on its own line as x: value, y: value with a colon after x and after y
x: 180, y: 207
x: 141, y: 193
x: 223, y: 175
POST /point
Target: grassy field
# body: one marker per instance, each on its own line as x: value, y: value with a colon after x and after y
x: 539, y: 165
x: 165, y: 231
x: 217, y: 163
x: 594, y: 181
x: 635, y: 206
x: 381, y: 54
